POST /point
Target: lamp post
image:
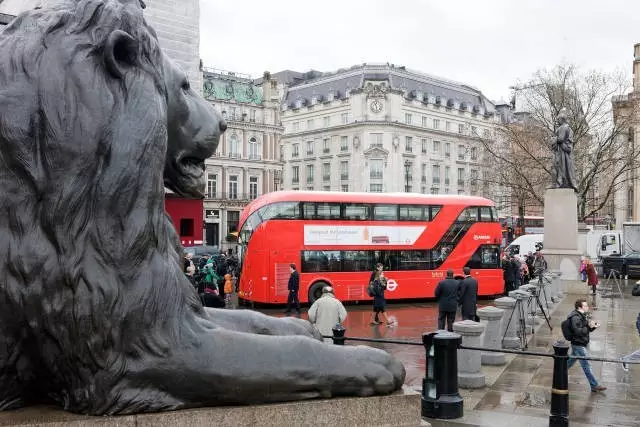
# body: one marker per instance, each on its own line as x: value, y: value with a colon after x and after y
x: 407, y: 165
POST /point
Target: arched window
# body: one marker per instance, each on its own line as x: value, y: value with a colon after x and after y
x: 254, y: 149
x: 234, y: 146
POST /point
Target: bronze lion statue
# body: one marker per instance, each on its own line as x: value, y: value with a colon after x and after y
x: 95, y: 312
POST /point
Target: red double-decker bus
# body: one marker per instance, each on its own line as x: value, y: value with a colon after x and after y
x: 337, y: 238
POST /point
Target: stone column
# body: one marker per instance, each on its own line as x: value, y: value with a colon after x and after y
x: 509, y: 326
x: 491, y: 318
x: 470, y: 373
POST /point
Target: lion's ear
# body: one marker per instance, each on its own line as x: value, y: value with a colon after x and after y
x: 120, y: 53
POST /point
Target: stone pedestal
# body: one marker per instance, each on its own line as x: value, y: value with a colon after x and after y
x: 561, y: 232
x: 470, y: 373
x: 521, y: 298
x: 491, y: 318
x: 509, y: 322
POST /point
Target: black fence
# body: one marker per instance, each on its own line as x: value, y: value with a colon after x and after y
x: 440, y: 395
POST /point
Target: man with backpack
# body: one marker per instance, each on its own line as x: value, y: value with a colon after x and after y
x: 576, y: 329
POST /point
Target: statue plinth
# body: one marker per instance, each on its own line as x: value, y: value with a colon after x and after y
x: 561, y: 232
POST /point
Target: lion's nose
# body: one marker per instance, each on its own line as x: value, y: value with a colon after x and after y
x: 223, y: 125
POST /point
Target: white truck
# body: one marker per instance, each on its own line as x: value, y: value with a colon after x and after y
x: 620, y: 250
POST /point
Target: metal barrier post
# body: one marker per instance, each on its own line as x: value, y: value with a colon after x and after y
x: 446, y: 402
x: 559, y: 416
x: 429, y: 387
x: 338, y: 334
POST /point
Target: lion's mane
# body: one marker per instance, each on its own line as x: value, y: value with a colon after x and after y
x: 90, y: 274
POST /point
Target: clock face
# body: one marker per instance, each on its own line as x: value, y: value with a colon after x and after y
x: 376, y: 106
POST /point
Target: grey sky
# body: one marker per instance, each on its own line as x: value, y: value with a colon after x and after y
x: 489, y: 44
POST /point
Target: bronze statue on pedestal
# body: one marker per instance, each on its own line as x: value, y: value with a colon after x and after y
x: 562, y: 147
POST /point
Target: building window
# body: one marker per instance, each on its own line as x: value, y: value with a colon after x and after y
x: 233, y: 186
x: 310, y: 124
x: 461, y: 152
x: 474, y: 177
x: 344, y: 118
x: 296, y: 150
x: 212, y: 185
x: 446, y: 175
x: 408, y: 144
x: 460, y: 176
x: 295, y: 174
x: 345, y: 188
x: 407, y: 118
x: 296, y: 126
x: 344, y: 170
x: 310, y: 188
x: 424, y: 121
x: 461, y: 129
x: 436, y: 147
x: 375, y: 169
x: 344, y: 143
x: 448, y: 126
x: 376, y: 140
x: 375, y: 188
x: 435, y: 171
x: 233, y: 113
x: 326, y: 172
x: 434, y: 190
x: 423, y: 178
x: 326, y: 145
x: 252, y: 115
x: 233, y: 217
x: 425, y: 146
x: 326, y: 188
x: 474, y: 131
x: 253, y: 187
x: 326, y: 121
x: 436, y: 123
x: 254, y: 149
x: 234, y: 146
x: 309, y: 148
x: 474, y: 153
x: 310, y: 170
x: 447, y: 149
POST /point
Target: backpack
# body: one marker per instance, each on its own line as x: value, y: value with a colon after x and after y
x: 567, y: 332
x: 371, y: 290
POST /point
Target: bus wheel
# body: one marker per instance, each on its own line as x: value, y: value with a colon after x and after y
x: 315, y: 291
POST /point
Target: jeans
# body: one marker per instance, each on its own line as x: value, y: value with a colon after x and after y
x: 578, y: 350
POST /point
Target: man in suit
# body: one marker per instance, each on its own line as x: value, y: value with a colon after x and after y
x: 447, y: 296
x: 468, y: 295
x: 294, y: 286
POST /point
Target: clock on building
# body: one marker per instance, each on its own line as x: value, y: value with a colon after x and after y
x: 376, y: 106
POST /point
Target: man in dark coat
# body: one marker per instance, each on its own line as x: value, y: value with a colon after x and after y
x: 468, y: 295
x: 447, y: 296
x: 294, y: 287
x: 509, y: 273
x: 581, y: 327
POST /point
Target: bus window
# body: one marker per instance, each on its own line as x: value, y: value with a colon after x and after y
x: 320, y: 261
x: 486, y: 256
x: 494, y: 214
x: 468, y: 215
x: 414, y: 260
x: 328, y: 211
x: 414, y: 213
x: 434, y: 211
x: 357, y: 260
x: 356, y: 212
x: 385, y: 212
x: 282, y: 210
x: 485, y: 214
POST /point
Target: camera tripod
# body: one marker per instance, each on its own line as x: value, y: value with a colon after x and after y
x: 522, y: 325
x: 535, y: 293
x: 542, y: 282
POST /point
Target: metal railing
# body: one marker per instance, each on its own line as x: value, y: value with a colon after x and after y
x: 230, y: 196
x: 440, y: 396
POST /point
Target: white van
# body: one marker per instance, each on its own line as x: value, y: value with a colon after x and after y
x: 525, y: 244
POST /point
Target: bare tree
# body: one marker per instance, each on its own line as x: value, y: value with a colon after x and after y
x: 520, y: 154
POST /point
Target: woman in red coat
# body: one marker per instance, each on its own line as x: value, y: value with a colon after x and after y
x: 592, y: 276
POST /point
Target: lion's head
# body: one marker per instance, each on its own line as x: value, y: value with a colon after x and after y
x: 94, y: 121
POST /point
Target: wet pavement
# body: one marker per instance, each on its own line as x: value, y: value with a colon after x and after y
x: 521, y: 390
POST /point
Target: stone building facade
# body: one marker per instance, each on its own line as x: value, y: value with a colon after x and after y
x: 383, y: 128
x: 247, y: 162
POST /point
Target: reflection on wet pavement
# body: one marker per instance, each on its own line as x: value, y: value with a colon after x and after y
x: 523, y: 386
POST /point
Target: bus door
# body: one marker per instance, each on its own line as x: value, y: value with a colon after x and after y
x: 280, y: 273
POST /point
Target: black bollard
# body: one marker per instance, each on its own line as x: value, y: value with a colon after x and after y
x: 338, y: 334
x: 442, y: 401
x: 560, y: 389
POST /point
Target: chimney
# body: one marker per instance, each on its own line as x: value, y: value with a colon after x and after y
x: 636, y: 67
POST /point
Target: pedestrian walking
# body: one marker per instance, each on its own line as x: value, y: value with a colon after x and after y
x: 592, y: 275
x: 447, y: 296
x: 294, y: 287
x: 379, y: 267
x: 327, y: 312
x: 578, y: 328
x: 379, y: 285
x: 583, y: 269
x: 228, y: 289
x: 509, y: 273
x: 468, y: 295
